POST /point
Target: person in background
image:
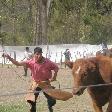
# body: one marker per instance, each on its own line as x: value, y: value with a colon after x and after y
x: 42, y: 69
x: 104, y: 47
x: 27, y: 56
x: 67, y: 56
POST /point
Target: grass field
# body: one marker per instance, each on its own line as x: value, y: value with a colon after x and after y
x: 13, y: 108
x: 19, y: 107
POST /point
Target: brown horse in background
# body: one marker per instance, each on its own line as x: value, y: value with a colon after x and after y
x: 107, y: 53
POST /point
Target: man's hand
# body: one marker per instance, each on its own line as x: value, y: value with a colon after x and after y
x: 5, y: 55
x: 52, y: 79
x: 13, y: 60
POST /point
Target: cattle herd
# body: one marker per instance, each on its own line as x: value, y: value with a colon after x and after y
x: 95, y: 75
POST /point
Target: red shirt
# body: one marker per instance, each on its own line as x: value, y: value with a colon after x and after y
x: 41, y: 71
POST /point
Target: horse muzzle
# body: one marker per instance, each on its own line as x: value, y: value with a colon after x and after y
x: 78, y: 91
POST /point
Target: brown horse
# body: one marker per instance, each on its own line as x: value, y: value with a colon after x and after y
x: 105, y: 53
x: 94, y: 71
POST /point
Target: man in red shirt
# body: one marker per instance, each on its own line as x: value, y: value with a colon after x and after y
x: 41, y: 69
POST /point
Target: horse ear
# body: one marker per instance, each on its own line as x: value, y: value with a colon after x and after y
x: 69, y: 64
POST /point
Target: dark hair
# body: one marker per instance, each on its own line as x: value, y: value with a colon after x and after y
x: 27, y: 48
x: 38, y: 50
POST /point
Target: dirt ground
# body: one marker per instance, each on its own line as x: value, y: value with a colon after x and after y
x: 13, y: 85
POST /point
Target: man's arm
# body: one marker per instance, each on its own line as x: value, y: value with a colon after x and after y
x: 55, y: 68
x: 14, y: 61
x: 54, y: 76
x: 23, y: 59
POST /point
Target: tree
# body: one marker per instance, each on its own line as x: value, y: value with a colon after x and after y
x: 42, y: 10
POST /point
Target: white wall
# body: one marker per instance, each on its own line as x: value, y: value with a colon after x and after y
x: 77, y: 51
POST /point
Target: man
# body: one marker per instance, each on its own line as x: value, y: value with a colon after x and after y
x: 104, y: 48
x: 41, y: 69
x: 67, y: 56
x: 27, y: 56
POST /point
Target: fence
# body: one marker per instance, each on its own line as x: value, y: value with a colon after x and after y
x: 55, y: 52
x: 57, y: 57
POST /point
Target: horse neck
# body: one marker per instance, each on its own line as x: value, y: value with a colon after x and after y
x: 97, y: 78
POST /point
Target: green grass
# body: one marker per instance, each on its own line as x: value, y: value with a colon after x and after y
x: 21, y: 107
x: 13, y: 108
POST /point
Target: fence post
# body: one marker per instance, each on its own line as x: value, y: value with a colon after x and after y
x: 61, y: 60
x: 56, y: 57
x: 3, y: 59
x: 46, y: 55
x: 15, y: 55
x: 9, y: 60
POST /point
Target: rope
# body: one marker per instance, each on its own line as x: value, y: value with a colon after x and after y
x: 95, y: 85
x: 22, y: 93
x: 19, y: 93
x: 4, y: 51
x: 19, y: 75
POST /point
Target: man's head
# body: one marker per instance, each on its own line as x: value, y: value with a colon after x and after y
x: 104, y: 41
x: 38, y: 54
x: 27, y: 48
x: 38, y: 50
x: 67, y: 49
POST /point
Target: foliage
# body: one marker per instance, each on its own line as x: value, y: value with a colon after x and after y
x: 69, y: 21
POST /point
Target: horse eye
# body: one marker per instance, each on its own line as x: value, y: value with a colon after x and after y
x: 84, y: 77
x: 85, y: 74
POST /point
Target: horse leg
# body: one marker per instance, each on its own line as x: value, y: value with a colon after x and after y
x: 95, y: 101
x: 109, y: 109
x: 97, y: 108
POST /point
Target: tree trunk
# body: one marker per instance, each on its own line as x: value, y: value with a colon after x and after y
x: 13, y: 18
x: 41, y: 21
x: 30, y: 12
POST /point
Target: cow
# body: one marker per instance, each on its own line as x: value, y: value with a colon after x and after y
x: 94, y: 71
